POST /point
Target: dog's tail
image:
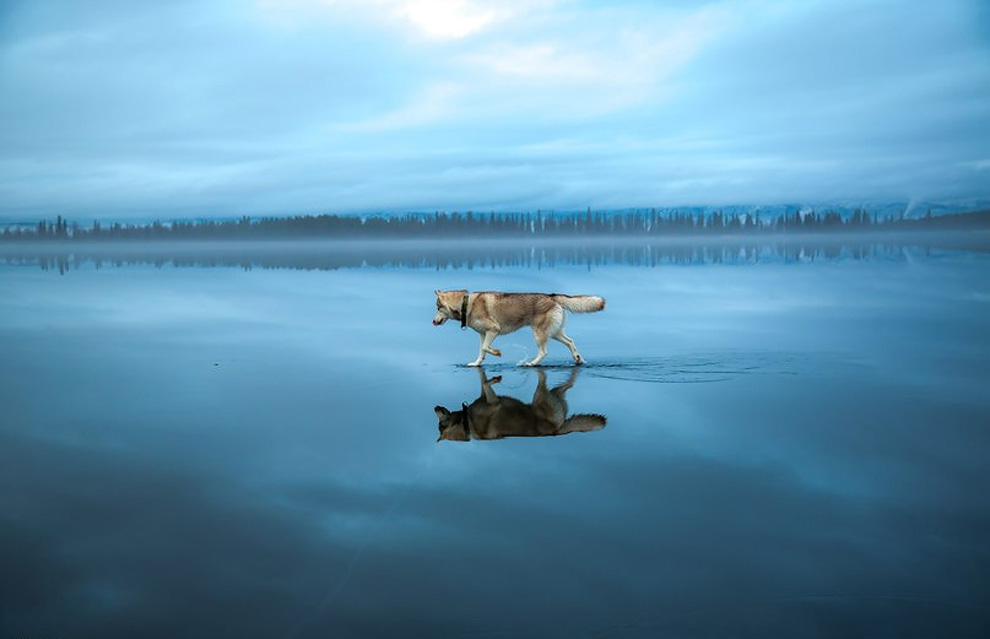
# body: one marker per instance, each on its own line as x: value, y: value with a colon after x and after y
x: 580, y: 303
x: 584, y: 423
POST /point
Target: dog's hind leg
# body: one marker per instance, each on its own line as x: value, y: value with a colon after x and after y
x: 561, y: 389
x: 545, y: 328
x: 541, y: 343
x: 539, y: 356
x: 562, y: 337
x: 556, y: 331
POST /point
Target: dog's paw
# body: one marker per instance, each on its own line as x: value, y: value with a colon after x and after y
x: 473, y: 364
x: 495, y: 352
x: 578, y: 360
x: 495, y: 380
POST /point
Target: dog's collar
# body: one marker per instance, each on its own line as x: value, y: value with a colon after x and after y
x: 464, y: 309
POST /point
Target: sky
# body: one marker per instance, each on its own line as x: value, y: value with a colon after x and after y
x: 147, y: 109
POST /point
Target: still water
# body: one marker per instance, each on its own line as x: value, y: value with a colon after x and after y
x: 776, y: 444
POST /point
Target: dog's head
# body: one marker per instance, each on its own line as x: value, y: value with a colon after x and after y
x: 453, y: 425
x: 448, y: 306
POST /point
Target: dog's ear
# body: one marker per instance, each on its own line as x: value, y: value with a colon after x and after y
x: 437, y: 292
x: 441, y: 411
x: 464, y: 407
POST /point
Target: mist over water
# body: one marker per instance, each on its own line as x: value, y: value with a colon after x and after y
x: 794, y: 442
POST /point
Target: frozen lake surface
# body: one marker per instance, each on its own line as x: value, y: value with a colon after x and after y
x: 792, y: 443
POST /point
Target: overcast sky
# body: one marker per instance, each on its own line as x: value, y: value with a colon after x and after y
x: 175, y: 109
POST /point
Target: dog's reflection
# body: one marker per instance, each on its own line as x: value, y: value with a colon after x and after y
x: 494, y: 416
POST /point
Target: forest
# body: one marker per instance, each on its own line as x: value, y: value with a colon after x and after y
x: 438, y: 225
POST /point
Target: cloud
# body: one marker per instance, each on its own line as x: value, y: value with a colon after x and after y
x: 446, y: 18
x: 309, y: 105
x: 438, y: 20
x: 432, y: 105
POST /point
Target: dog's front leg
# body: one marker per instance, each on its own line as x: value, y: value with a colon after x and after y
x: 485, y: 341
x: 486, y: 386
x: 486, y: 347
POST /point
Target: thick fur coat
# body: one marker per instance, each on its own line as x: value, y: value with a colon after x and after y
x: 492, y: 314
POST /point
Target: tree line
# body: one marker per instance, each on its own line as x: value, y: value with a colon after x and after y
x: 493, y: 225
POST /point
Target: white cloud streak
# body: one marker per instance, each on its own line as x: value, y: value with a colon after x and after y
x: 340, y: 105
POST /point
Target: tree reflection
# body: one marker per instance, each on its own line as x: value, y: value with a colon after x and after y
x: 478, y: 254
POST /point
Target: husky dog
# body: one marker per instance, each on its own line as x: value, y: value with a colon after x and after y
x: 494, y: 416
x: 492, y: 314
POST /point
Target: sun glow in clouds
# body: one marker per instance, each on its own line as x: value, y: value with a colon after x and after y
x: 443, y: 19
x: 435, y: 19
